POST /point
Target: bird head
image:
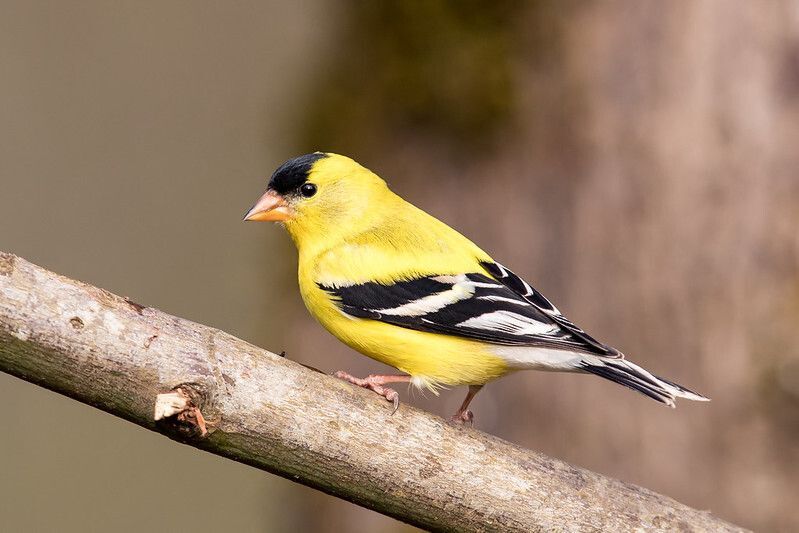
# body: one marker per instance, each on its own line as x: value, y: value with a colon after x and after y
x: 318, y: 195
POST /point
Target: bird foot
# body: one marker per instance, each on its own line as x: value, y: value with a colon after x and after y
x: 463, y: 417
x: 373, y: 383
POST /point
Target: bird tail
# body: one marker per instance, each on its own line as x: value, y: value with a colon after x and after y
x: 633, y: 376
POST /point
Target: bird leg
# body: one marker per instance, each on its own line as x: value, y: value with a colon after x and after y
x: 375, y: 383
x: 464, y: 415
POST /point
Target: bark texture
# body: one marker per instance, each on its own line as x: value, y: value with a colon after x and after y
x: 271, y: 413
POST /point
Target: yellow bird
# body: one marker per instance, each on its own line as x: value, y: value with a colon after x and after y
x: 402, y: 287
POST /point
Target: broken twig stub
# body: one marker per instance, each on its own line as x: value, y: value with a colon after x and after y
x: 179, y: 411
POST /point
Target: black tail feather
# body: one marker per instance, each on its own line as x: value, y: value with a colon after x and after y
x: 630, y: 375
x: 631, y: 382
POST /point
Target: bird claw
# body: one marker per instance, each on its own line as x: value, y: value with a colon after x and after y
x: 463, y: 417
x: 386, y: 392
x: 392, y: 396
x: 340, y: 374
x: 373, y: 383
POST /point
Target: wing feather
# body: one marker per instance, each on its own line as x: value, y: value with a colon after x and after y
x: 498, y: 308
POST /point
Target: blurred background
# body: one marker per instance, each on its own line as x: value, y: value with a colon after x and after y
x: 636, y: 160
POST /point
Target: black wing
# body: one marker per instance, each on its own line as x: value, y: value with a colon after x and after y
x: 475, y: 306
x: 523, y: 289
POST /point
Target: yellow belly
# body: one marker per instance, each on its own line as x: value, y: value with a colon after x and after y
x: 432, y: 359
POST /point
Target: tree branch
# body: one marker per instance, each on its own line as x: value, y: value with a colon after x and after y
x: 271, y: 413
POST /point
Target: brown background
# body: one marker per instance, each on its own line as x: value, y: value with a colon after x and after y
x: 636, y: 161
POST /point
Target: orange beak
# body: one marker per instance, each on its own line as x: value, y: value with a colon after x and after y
x: 271, y: 207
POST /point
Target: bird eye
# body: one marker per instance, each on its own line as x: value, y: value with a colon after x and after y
x: 308, y: 190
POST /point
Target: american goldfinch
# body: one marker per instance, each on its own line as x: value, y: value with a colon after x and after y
x: 404, y: 288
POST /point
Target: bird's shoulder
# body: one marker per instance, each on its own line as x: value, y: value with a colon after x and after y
x: 407, y: 245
